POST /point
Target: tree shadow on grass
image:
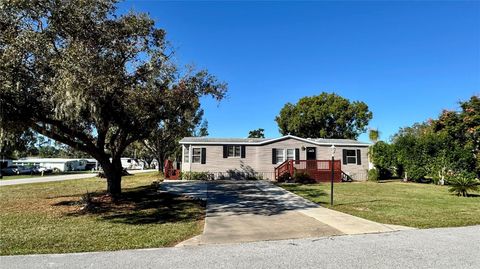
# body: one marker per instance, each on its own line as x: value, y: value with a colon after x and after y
x: 360, y: 202
x: 141, y: 205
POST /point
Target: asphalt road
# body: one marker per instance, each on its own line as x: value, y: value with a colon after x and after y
x: 59, y: 178
x: 433, y: 248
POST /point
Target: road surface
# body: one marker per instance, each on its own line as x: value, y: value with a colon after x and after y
x: 433, y: 248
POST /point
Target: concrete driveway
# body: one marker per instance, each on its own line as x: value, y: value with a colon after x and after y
x: 248, y: 211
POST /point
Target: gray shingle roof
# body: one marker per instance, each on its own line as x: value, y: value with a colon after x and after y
x: 323, y: 141
x: 337, y: 141
x: 221, y: 140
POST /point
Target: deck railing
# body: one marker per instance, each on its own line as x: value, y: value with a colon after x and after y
x: 319, y: 170
x: 283, y: 169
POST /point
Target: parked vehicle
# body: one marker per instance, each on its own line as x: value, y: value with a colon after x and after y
x: 39, y: 169
x: 16, y: 170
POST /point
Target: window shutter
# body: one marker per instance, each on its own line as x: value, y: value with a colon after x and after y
x: 359, y: 157
x: 297, y: 156
x: 242, y: 152
x: 274, y: 156
x: 344, y: 152
x: 204, y: 156
x: 225, y: 151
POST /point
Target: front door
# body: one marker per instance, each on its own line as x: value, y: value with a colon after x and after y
x: 311, y: 153
x: 311, y: 158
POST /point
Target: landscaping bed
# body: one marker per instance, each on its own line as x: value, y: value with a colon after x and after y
x: 393, y: 202
x: 55, y: 218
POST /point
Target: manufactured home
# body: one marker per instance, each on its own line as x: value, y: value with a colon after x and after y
x: 59, y: 164
x: 132, y: 164
x: 271, y: 158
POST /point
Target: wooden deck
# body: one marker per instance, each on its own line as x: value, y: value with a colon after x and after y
x: 319, y: 170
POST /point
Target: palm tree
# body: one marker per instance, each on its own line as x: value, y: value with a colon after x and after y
x: 461, y: 185
x: 374, y: 135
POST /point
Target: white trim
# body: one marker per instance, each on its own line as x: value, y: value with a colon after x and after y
x: 275, y: 140
x: 183, y: 155
x: 190, y: 157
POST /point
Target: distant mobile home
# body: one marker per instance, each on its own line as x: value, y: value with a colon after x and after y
x: 265, y: 156
x: 60, y: 164
x: 132, y: 164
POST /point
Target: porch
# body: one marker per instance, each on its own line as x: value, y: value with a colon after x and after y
x: 319, y: 170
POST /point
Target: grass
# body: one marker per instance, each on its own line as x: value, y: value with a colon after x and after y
x: 46, y: 175
x: 408, y: 204
x: 48, y: 217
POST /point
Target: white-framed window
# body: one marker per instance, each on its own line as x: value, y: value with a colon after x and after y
x: 351, y: 156
x: 196, y: 155
x: 290, y: 154
x: 234, y: 151
x: 186, y: 155
x: 280, y: 155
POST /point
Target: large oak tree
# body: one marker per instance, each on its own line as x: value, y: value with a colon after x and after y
x: 324, y: 116
x: 95, y: 80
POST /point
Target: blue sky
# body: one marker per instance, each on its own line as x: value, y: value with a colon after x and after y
x: 406, y: 60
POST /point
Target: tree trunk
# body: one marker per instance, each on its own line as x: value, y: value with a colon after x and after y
x: 161, y: 161
x: 113, y: 173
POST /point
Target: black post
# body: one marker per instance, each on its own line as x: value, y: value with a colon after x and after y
x: 1, y: 163
x: 331, y: 183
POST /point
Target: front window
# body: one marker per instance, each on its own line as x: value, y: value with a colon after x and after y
x: 234, y: 151
x: 280, y: 155
x: 186, y: 157
x: 196, y: 155
x: 290, y: 154
x: 351, y: 156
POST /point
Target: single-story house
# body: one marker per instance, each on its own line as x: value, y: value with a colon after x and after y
x: 269, y: 158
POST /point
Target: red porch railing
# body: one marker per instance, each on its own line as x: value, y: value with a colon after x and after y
x: 169, y: 171
x: 319, y: 170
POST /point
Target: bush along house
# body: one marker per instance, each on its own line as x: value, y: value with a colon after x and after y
x: 275, y: 158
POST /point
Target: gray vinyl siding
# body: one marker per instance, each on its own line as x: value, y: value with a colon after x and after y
x: 259, y: 158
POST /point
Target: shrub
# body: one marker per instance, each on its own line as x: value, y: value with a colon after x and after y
x: 284, y: 177
x: 303, y: 178
x: 254, y: 177
x: 416, y: 173
x: 195, y: 176
x: 462, y: 183
x: 373, y: 175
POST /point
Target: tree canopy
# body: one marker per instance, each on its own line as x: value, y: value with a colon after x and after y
x: 374, y: 135
x: 435, y: 149
x: 187, y: 121
x: 83, y: 75
x: 324, y: 116
x: 257, y: 133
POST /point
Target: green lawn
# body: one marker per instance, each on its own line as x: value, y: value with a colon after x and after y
x: 47, y: 217
x: 408, y: 204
